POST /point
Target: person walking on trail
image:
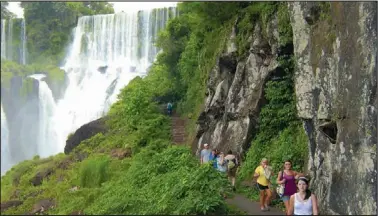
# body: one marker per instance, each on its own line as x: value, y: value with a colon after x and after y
x: 213, y: 157
x: 205, y: 154
x: 221, y: 163
x: 263, y: 174
x: 232, y: 165
x: 169, y: 108
x: 286, y: 180
x: 304, y: 202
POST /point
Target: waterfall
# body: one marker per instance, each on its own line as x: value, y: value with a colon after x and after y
x: 6, y: 162
x: 106, y: 53
x: 3, y: 39
x: 9, y: 28
x: 9, y: 42
x: 23, y: 42
x: 47, y: 136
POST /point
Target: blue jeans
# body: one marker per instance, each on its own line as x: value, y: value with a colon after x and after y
x: 285, y: 198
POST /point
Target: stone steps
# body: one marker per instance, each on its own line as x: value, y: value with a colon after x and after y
x: 178, y: 130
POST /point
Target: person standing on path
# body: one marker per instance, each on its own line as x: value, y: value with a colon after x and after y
x: 205, y: 154
x: 287, y: 178
x: 304, y: 202
x: 169, y: 108
x: 263, y: 184
x: 232, y: 165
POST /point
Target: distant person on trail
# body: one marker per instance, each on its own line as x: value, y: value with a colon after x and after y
x: 304, y: 202
x: 205, y: 154
x: 169, y: 108
x: 232, y: 165
x: 263, y: 174
x: 286, y: 180
x: 213, y: 157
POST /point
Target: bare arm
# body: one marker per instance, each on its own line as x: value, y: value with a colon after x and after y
x: 279, y: 178
x: 291, y: 205
x: 314, y: 205
x: 297, y: 175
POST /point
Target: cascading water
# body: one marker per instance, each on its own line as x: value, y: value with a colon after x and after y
x: 3, y: 39
x: 12, y: 49
x: 23, y: 42
x: 9, y: 43
x: 107, y: 52
x: 6, y: 162
x: 47, y: 136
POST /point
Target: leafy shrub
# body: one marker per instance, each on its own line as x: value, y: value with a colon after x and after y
x: 94, y: 172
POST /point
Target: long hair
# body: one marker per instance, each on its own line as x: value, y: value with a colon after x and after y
x: 308, y: 192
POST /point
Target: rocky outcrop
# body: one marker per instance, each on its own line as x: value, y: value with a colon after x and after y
x: 9, y: 204
x: 335, y: 48
x: 336, y: 89
x: 42, y: 206
x: 41, y: 175
x: 121, y: 153
x: 235, y: 91
x: 85, y: 132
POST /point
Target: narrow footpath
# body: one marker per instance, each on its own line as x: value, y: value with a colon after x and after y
x: 239, y: 201
x: 178, y: 129
x: 250, y: 207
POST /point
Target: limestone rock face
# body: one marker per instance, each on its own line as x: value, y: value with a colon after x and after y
x: 235, y: 92
x: 336, y: 90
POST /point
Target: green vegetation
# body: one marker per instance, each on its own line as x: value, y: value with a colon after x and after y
x: 280, y: 134
x: 157, y: 178
x: 10, y: 69
x: 5, y: 13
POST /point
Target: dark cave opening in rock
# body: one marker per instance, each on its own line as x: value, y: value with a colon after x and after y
x: 329, y: 129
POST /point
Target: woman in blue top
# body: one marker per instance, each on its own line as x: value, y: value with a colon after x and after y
x: 213, y: 157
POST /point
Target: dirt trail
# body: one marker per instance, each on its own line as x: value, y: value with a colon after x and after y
x: 250, y: 207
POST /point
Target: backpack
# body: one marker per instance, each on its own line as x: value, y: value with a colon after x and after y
x: 280, y: 188
x: 231, y: 164
x: 169, y: 106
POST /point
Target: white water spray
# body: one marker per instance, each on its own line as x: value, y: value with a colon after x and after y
x: 6, y: 162
x: 47, y: 137
x: 107, y: 52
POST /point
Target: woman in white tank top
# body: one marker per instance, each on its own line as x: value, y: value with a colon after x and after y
x: 303, y: 202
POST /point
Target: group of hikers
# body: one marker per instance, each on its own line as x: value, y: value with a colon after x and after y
x: 293, y: 187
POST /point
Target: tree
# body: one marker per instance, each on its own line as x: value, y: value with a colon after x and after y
x: 5, y: 13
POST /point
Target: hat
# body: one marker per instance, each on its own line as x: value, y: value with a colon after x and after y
x: 205, y: 144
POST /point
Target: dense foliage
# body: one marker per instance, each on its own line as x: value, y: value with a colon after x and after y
x: 280, y: 134
x: 159, y: 178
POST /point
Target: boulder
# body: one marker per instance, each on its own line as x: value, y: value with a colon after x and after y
x: 9, y: 204
x: 121, y: 153
x: 85, y: 132
x: 42, y: 206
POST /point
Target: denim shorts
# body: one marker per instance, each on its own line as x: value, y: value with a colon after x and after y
x: 285, y: 198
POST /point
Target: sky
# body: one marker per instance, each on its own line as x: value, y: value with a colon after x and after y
x: 118, y: 6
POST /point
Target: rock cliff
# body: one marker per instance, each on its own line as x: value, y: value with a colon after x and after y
x: 235, y: 91
x: 335, y: 47
x: 336, y: 89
